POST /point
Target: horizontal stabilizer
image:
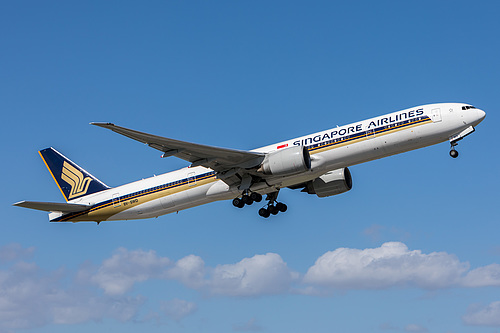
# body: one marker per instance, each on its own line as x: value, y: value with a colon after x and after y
x: 52, y: 206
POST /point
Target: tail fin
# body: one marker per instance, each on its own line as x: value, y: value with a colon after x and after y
x: 73, y: 181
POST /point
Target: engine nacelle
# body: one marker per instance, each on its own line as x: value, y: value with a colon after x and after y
x: 331, y: 183
x: 287, y: 161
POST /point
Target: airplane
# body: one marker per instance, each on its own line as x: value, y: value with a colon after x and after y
x: 316, y: 163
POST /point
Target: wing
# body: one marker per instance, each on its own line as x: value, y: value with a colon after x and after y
x: 218, y: 159
x: 52, y: 206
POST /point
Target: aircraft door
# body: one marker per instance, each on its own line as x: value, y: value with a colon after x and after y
x: 191, y: 177
x: 116, y: 200
x: 436, y: 115
x: 370, y: 133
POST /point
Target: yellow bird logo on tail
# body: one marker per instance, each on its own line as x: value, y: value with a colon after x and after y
x: 79, y: 183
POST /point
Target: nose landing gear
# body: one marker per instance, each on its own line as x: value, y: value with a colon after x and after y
x: 457, y: 137
x: 453, y: 152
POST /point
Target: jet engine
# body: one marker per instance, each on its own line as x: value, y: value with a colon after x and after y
x: 286, y: 161
x: 331, y: 183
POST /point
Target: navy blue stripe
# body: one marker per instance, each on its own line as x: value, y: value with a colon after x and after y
x: 360, y: 135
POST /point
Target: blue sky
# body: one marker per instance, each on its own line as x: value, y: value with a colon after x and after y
x: 243, y: 75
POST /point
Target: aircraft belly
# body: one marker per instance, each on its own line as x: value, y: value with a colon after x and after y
x: 145, y: 210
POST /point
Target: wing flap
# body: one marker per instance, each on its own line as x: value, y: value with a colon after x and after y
x: 52, y: 206
x: 218, y: 159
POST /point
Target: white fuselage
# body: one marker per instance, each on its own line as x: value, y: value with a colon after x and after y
x: 332, y: 149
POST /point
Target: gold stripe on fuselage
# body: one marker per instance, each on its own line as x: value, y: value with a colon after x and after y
x: 364, y: 136
x: 105, y: 211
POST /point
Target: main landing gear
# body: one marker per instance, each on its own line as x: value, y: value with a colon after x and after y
x: 247, y: 199
x: 272, y: 208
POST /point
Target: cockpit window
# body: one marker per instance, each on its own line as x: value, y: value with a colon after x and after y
x: 467, y: 107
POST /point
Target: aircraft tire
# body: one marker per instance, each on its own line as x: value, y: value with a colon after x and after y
x: 273, y: 210
x: 247, y: 200
x: 453, y: 153
x: 257, y: 197
x: 264, y: 213
x: 237, y: 202
x: 281, y: 207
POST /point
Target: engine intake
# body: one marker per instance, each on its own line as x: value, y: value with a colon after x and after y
x: 287, y: 161
x: 331, y: 183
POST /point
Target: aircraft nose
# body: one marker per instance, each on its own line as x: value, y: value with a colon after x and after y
x: 480, y: 114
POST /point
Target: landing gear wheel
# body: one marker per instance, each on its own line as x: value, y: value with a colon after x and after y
x: 453, y: 153
x: 281, y: 207
x: 257, y: 197
x: 264, y: 212
x: 247, y: 200
x: 238, y: 202
x: 273, y: 210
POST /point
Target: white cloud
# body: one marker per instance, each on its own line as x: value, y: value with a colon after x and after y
x: 488, y: 315
x: 390, y: 265
x: 15, y: 251
x: 487, y: 276
x: 190, y: 271
x: 177, y: 309
x: 256, y: 276
x: 118, y: 274
x: 259, y: 275
x: 31, y: 297
x: 23, y: 290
